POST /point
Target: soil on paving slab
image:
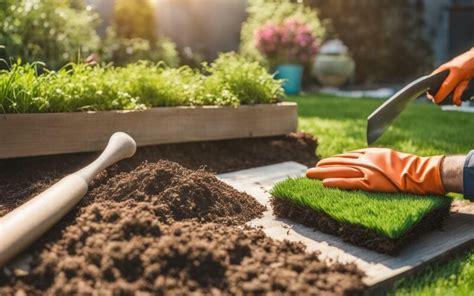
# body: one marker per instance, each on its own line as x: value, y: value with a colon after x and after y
x: 357, y: 234
x: 23, y: 178
x: 164, y: 229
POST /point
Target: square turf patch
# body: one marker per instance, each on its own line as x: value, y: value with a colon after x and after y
x: 383, y: 222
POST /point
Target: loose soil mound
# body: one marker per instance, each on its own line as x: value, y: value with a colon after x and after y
x: 182, y: 258
x: 171, y: 193
x: 356, y: 234
x: 154, y: 228
x: 23, y: 178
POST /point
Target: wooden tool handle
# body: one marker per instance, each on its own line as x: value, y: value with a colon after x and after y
x: 22, y: 226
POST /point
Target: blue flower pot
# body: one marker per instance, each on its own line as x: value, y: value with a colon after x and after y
x: 292, y: 75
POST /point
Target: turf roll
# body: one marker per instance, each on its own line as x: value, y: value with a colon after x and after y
x: 383, y: 222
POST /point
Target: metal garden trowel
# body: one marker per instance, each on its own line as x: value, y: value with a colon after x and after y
x: 384, y: 115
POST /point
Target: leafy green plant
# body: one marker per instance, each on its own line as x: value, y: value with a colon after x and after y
x: 390, y: 215
x: 262, y: 11
x: 233, y: 80
x: 52, y: 31
x: 229, y: 81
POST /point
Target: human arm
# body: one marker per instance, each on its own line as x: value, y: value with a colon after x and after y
x: 452, y: 169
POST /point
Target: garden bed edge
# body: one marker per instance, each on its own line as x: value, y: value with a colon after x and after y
x: 34, y: 134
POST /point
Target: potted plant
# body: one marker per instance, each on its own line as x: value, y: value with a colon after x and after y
x: 288, y: 46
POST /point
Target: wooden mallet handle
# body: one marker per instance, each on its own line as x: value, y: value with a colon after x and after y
x: 25, y: 224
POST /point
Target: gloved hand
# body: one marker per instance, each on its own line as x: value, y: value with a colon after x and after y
x: 381, y: 170
x: 461, y: 71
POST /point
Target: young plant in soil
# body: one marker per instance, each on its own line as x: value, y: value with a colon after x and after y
x: 379, y: 221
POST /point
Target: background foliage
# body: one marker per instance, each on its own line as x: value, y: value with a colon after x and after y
x: 385, y: 37
x: 262, y: 11
x: 133, y: 37
x: 51, y: 31
x: 122, y: 51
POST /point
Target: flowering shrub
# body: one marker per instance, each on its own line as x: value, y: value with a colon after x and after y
x: 291, y: 41
x: 259, y: 12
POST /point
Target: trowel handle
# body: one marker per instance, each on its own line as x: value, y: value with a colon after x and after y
x: 25, y: 224
x: 438, y: 79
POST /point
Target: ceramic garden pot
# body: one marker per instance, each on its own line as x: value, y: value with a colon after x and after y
x: 333, y: 70
x: 292, y: 75
x: 333, y: 66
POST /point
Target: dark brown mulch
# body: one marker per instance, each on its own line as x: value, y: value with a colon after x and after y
x: 23, y: 178
x: 179, y: 259
x: 356, y: 234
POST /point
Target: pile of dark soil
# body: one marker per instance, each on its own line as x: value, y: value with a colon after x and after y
x: 23, y: 178
x: 357, y: 234
x: 170, y: 192
x: 164, y: 228
x: 179, y: 259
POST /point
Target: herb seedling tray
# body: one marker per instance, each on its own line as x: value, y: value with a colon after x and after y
x: 381, y: 270
x: 35, y: 134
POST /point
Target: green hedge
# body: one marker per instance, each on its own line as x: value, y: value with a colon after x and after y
x: 229, y: 81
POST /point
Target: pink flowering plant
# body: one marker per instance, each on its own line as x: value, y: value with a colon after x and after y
x: 291, y: 42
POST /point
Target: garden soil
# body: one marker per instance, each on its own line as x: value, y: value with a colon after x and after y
x: 356, y: 234
x: 150, y: 226
x: 23, y: 178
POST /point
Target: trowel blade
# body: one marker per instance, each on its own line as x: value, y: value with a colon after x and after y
x: 384, y: 115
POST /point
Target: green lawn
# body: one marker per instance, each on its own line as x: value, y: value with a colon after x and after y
x: 340, y: 124
x: 389, y: 215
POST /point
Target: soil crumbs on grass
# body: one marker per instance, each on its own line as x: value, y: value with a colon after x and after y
x: 165, y: 229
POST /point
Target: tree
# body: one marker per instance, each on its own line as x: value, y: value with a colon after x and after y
x: 135, y: 19
x: 51, y: 31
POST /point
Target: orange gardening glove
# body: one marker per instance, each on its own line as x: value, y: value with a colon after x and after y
x: 381, y: 170
x: 461, y: 70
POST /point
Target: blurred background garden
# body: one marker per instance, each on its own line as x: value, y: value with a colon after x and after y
x: 339, y: 43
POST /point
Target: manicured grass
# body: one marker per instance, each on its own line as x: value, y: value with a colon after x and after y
x: 229, y: 81
x: 423, y: 129
x: 453, y: 278
x: 390, y: 215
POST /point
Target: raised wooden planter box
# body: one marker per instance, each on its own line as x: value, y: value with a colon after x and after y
x: 56, y: 133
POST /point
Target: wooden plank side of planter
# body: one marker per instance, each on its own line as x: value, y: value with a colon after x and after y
x: 56, y: 133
